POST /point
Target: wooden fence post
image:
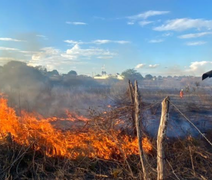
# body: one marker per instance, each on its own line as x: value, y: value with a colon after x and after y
x: 138, y: 128
x: 160, y: 138
x: 131, y: 92
x: 132, y: 99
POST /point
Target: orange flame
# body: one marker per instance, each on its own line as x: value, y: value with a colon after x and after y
x: 39, y: 132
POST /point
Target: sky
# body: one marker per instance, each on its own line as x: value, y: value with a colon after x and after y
x: 158, y: 37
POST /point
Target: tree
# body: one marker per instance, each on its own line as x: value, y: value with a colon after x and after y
x: 148, y: 77
x: 160, y: 77
x: 53, y: 73
x: 131, y: 74
x: 18, y: 74
x: 72, y: 72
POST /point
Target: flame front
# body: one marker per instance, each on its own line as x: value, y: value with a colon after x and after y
x: 28, y: 129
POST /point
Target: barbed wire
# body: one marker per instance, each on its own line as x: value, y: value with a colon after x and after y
x: 152, y: 105
x: 191, y: 123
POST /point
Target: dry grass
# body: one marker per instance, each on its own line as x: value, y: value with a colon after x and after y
x: 186, y: 159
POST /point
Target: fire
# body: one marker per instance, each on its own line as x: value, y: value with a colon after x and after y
x: 38, y: 132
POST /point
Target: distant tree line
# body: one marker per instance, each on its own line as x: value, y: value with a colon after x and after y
x: 16, y: 74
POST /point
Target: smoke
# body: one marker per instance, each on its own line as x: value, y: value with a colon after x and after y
x: 37, y: 90
x: 50, y: 94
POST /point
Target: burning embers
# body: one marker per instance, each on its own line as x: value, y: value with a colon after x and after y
x: 92, y: 141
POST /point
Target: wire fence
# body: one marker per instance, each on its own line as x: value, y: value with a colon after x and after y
x: 187, y: 119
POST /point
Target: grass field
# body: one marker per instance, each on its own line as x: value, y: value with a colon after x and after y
x: 98, y: 142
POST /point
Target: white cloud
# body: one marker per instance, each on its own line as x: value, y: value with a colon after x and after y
x: 156, y: 41
x: 194, y: 35
x: 122, y: 42
x: 197, y: 43
x: 51, y: 58
x: 45, y: 53
x: 184, y: 24
x: 139, y: 66
x: 130, y: 23
x: 147, y: 14
x: 147, y: 66
x: 42, y: 36
x: 105, y: 41
x: 51, y: 50
x: 26, y: 53
x: 98, y: 41
x: 104, y: 57
x: 10, y: 39
x: 75, y: 55
x: 102, y: 41
x: 76, y: 23
x: 153, y: 65
x: 8, y: 49
x: 144, y: 23
x: 76, y: 52
x: 197, y: 68
x: 74, y: 42
x: 167, y: 34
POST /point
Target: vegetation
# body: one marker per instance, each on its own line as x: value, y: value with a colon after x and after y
x: 113, y: 157
x: 149, y: 77
x: 131, y: 74
x: 72, y: 72
x: 74, y: 127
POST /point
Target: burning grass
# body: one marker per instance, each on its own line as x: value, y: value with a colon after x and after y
x: 33, y: 147
x: 90, y: 142
x: 87, y: 140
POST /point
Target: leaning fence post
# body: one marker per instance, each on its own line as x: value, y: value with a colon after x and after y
x: 138, y: 128
x: 160, y: 138
x: 131, y: 92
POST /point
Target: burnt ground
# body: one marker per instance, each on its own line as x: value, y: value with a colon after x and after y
x: 196, y: 106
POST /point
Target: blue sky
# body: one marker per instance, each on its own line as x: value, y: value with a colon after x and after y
x: 158, y: 37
